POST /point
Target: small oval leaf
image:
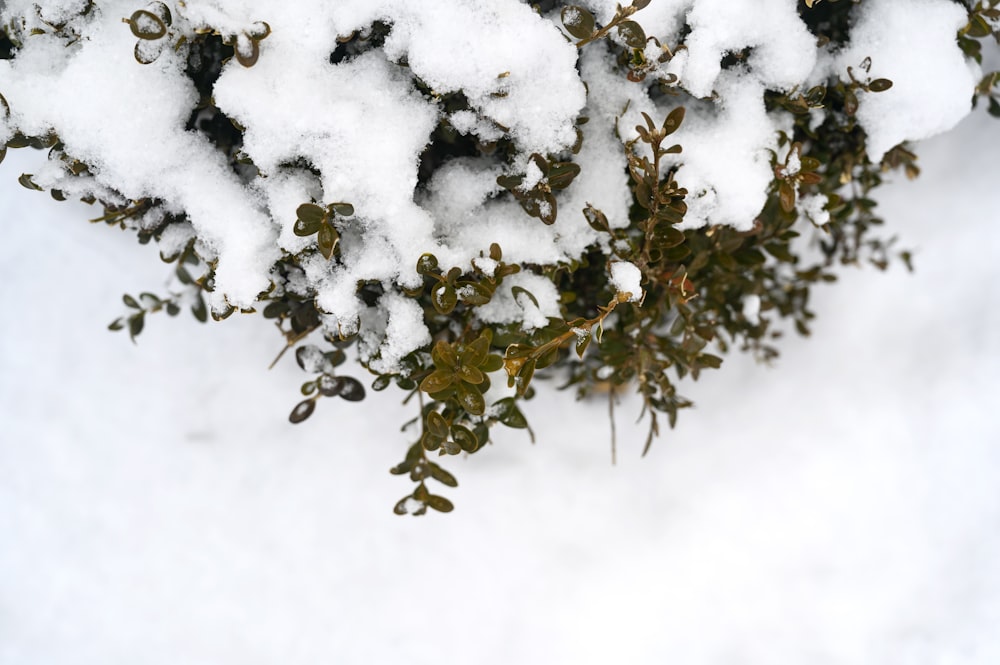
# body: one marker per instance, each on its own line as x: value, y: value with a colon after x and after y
x: 436, y: 382
x: 342, y: 209
x: 310, y: 212
x: 437, y: 425
x: 146, y: 25
x: 578, y: 21
x: 444, y: 298
x: 632, y: 34
x: 439, y: 503
x: 470, y: 399
x: 464, y: 437
x: 352, y: 391
x: 327, y: 240
x: 302, y: 410
x: 880, y: 85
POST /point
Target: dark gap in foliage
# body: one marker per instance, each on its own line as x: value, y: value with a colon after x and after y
x: 736, y: 58
x: 6, y: 46
x: 360, y: 42
x: 829, y: 20
x: 204, y: 66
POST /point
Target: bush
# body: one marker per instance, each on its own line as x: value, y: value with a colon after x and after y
x: 462, y: 195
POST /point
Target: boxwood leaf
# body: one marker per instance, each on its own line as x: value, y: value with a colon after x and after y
x: 302, y: 410
x: 578, y: 21
x: 632, y: 34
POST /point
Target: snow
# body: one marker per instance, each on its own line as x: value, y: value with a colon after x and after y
x: 626, y: 278
x: 751, y: 309
x: 837, y: 508
x: 354, y: 131
x: 915, y: 49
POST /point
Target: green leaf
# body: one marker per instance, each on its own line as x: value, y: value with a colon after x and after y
x: 273, y: 310
x: 510, y: 415
x: 517, y: 290
x: 146, y: 25
x: 562, y: 174
x: 131, y: 302
x: 443, y: 355
x: 475, y: 352
x: 750, y: 256
x: 578, y: 21
x: 259, y: 30
x: 708, y: 360
x: 442, y: 476
x: 993, y: 108
x: 780, y: 251
x: 464, y: 437
x: 443, y: 297
x: 117, y: 324
x: 677, y: 253
x: 632, y: 34
x: 850, y: 102
x: 327, y: 240
x: 540, y: 162
x: 470, y: 399
x: 437, y: 425
x: 27, y: 182
x: 342, y: 209
x: 352, y: 391
x: 470, y: 375
x: 303, y: 228
x: 582, y: 342
x: 430, y: 442
x: 880, y: 85
x: 673, y: 120
x: 666, y: 236
x: 427, y: 264
x: 437, y: 381
x: 492, y: 363
x: 978, y: 27
x: 786, y: 195
x: 597, y: 220
x: 510, y: 182
x: 331, y: 386
x: 523, y: 378
x: 146, y: 52
x: 199, y: 310
x: 302, y: 410
x: 440, y: 504
x: 809, y: 164
x: 311, y: 213
x: 547, y: 208
x: 474, y: 293
x: 247, y: 58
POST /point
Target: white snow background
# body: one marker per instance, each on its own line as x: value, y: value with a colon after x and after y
x: 156, y: 507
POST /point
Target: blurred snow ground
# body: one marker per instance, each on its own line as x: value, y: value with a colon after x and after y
x: 842, y: 507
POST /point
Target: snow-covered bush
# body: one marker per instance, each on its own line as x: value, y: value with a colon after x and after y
x: 467, y: 192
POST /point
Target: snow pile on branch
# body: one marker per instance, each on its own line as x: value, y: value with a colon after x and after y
x: 317, y: 128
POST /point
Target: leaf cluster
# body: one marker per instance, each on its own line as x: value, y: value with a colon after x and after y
x: 696, y: 284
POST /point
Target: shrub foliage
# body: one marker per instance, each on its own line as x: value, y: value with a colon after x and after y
x: 701, y: 291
